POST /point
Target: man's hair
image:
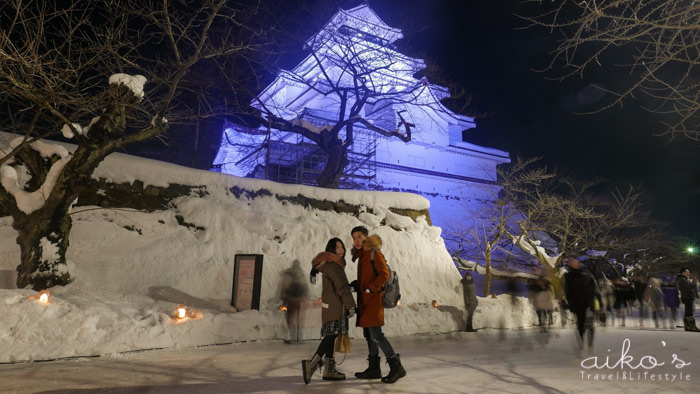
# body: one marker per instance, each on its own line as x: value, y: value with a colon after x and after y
x: 361, y: 229
x: 570, y: 257
x: 683, y: 269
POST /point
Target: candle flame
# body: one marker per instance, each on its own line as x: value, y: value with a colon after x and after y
x: 181, y: 312
x: 44, y: 296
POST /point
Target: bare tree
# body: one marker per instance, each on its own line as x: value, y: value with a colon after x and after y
x: 495, y: 221
x: 657, y: 43
x: 106, y: 74
x: 547, y: 217
x: 579, y: 220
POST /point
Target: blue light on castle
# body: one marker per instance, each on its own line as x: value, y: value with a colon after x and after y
x: 435, y: 163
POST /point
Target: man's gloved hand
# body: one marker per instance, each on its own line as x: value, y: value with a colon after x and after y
x: 351, y: 312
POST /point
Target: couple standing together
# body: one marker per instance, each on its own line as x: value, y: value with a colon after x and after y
x: 338, y: 306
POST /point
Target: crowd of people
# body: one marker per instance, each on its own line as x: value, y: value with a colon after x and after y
x: 609, y: 302
x: 649, y: 298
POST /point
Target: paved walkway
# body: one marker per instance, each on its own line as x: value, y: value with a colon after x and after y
x: 489, y: 361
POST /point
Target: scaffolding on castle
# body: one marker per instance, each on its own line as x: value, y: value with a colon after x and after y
x: 297, y: 160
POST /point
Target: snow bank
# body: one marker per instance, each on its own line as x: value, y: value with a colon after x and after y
x: 132, y: 268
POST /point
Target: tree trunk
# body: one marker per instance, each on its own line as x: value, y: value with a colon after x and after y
x: 487, y: 276
x: 556, y: 282
x: 43, y: 235
x: 43, y: 240
x: 335, y: 165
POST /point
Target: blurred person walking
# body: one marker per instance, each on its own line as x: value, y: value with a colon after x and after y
x: 581, y: 291
x: 470, y: 300
x: 607, y: 293
x: 623, y: 294
x: 657, y: 301
x: 639, y: 283
x: 672, y: 301
x: 540, y: 292
x: 293, y: 291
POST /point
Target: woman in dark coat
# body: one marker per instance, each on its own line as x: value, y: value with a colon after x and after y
x: 337, y: 306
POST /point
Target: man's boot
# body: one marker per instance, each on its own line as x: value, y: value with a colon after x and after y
x: 308, y: 367
x: 690, y: 324
x: 373, y: 371
x: 396, y: 372
x: 329, y: 371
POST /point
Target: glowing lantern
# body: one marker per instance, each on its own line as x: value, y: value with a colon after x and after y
x: 435, y: 304
x: 398, y: 303
x: 283, y: 308
x: 184, y: 314
x: 181, y: 311
x: 44, y: 296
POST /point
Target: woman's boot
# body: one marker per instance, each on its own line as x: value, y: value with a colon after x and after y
x: 373, y: 371
x: 308, y: 367
x: 396, y: 372
x: 329, y: 371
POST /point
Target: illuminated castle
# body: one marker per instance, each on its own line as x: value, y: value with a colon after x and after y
x: 355, y: 52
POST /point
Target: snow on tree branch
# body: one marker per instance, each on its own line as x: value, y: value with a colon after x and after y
x: 533, y: 248
x: 29, y: 202
x: 133, y: 82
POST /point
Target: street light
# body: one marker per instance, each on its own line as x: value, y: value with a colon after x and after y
x: 691, y: 251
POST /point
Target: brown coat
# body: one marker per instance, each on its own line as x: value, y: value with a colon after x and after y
x: 336, y: 296
x: 370, y: 311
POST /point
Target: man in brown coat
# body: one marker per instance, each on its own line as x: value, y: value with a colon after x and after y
x: 372, y: 273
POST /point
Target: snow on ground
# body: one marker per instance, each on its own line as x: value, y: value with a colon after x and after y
x: 488, y: 361
x: 132, y: 268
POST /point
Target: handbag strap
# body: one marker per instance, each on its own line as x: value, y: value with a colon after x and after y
x: 342, y: 328
x: 341, y: 362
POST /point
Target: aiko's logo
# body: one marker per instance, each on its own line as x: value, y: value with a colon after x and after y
x: 622, y: 367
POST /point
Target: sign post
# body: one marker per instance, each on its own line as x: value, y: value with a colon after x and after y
x: 247, y: 278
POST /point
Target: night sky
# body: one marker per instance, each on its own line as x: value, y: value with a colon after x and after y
x: 476, y: 42
x: 477, y: 46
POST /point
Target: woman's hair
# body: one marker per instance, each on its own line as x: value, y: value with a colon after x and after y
x: 330, y: 246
